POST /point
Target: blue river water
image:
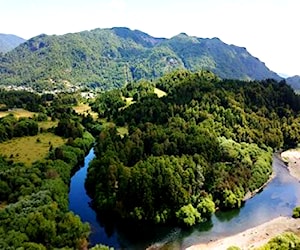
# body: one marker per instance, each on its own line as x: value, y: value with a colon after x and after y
x: 278, y: 198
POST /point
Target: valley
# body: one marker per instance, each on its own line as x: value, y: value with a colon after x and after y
x: 114, y: 137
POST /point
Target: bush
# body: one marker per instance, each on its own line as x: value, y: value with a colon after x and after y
x: 296, y: 212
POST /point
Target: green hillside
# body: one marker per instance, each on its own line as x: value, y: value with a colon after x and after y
x: 108, y: 58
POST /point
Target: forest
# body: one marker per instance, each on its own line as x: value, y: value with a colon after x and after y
x: 202, y: 147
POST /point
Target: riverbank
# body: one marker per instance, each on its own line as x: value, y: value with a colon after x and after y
x: 260, y: 235
x: 249, y: 195
x: 292, y: 158
x: 253, y: 237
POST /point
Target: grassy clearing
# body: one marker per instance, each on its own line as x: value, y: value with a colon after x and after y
x: 30, y: 148
x: 45, y: 125
x: 159, y: 92
x: 84, y: 109
x: 18, y: 113
x: 121, y: 130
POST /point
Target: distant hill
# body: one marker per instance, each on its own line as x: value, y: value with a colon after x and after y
x: 294, y: 82
x: 9, y: 42
x: 107, y: 58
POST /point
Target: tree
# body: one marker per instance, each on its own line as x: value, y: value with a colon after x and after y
x: 188, y: 215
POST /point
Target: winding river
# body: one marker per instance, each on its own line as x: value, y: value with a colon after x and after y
x: 279, y: 197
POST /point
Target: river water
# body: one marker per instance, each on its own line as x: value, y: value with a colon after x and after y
x: 278, y: 198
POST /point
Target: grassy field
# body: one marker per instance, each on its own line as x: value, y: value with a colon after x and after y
x: 17, y: 113
x: 84, y: 109
x: 47, y: 124
x: 159, y: 92
x: 30, y: 148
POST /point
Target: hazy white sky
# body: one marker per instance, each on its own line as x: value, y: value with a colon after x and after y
x: 267, y: 28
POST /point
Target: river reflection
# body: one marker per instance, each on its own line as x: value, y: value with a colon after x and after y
x: 279, y: 197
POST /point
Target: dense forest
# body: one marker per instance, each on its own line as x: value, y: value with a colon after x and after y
x: 204, y: 144
x: 202, y: 147
x: 109, y: 58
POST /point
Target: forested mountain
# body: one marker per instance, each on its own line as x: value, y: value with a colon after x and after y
x: 294, y: 81
x: 9, y: 42
x: 205, y: 144
x: 108, y: 58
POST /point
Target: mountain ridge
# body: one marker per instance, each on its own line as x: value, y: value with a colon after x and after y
x: 108, y: 58
x: 9, y: 42
x: 294, y: 82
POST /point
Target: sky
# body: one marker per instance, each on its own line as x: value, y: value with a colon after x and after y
x: 267, y: 28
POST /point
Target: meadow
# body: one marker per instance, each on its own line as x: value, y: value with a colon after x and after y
x: 18, y: 113
x: 30, y: 148
x: 85, y: 109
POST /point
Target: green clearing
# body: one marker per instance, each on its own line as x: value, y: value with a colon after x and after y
x: 30, y: 148
x: 121, y: 130
x: 85, y: 109
x: 159, y: 92
x: 18, y: 113
x: 47, y: 124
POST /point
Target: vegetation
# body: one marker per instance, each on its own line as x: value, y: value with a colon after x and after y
x: 30, y: 149
x: 22, y: 99
x: 34, y: 210
x: 284, y: 241
x: 18, y: 113
x: 202, y: 146
x: 296, y: 212
x: 110, y: 58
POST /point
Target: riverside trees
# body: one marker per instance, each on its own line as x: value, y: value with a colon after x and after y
x: 204, y: 145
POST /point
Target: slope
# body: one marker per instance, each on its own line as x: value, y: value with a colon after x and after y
x: 9, y: 42
x: 109, y: 58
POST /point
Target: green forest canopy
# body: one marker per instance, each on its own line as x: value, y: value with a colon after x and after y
x: 203, y: 146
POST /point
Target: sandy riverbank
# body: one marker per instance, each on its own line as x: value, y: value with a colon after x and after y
x: 258, y: 236
x: 292, y: 158
x: 253, y: 237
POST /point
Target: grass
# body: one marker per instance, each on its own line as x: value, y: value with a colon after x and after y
x: 45, y: 125
x: 84, y: 109
x: 121, y: 130
x: 30, y: 148
x: 18, y: 113
x: 159, y: 92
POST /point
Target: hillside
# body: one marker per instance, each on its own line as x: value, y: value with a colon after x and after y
x: 294, y: 82
x: 106, y: 58
x: 9, y: 42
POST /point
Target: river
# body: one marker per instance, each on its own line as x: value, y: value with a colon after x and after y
x: 279, y: 197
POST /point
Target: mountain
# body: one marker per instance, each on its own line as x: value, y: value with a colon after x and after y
x: 9, y: 42
x: 294, y: 82
x: 107, y: 58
